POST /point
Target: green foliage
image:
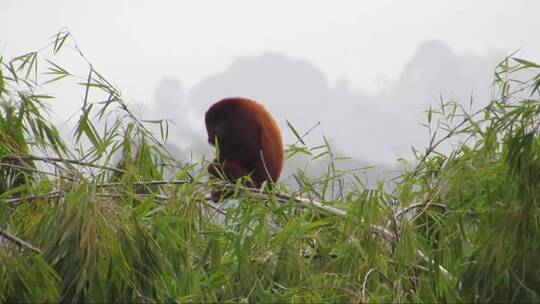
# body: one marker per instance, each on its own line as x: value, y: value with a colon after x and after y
x: 96, y: 218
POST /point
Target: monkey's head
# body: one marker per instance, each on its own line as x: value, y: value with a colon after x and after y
x: 218, y: 116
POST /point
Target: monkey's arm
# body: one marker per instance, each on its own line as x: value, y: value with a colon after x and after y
x: 230, y: 170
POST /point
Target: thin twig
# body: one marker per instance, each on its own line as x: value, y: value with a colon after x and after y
x: 364, y: 284
x: 266, y: 168
x: 418, y: 205
x: 31, y: 197
x: 159, y: 197
x: 18, y: 241
x: 306, y: 133
x: 146, y: 183
x: 61, y: 160
x: 427, y: 204
x: 395, y: 228
x: 27, y: 168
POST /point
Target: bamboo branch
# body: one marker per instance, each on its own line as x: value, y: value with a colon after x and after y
x: 18, y: 241
x: 31, y: 197
x: 54, y: 160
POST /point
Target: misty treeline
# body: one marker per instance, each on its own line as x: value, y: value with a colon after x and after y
x: 105, y: 213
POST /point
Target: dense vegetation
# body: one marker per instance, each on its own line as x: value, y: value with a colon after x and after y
x: 110, y: 216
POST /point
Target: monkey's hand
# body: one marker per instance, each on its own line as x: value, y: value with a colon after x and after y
x: 228, y: 170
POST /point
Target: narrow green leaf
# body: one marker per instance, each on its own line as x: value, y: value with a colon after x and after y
x: 296, y: 134
x: 526, y: 63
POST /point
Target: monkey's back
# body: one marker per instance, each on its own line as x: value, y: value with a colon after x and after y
x: 271, y: 145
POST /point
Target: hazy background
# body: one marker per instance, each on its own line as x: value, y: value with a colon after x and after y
x: 365, y: 69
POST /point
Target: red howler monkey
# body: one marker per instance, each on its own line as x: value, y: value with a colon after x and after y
x: 248, y: 138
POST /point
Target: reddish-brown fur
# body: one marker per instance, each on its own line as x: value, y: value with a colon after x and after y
x: 249, y: 140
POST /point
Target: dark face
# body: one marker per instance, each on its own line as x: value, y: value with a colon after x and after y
x: 215, y: 130
x: 217, y: 118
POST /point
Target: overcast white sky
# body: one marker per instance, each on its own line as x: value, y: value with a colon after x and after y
x: 137, y: 43
x: 191, y: 39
